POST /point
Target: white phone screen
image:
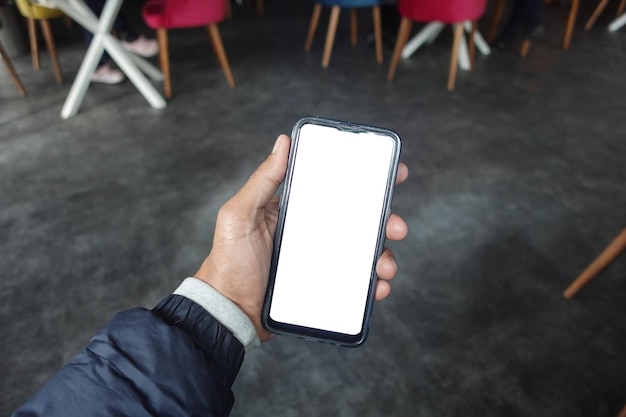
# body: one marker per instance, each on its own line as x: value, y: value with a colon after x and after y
x: 334, y: 213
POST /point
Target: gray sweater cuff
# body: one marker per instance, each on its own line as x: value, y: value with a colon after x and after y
x: 220, y: 307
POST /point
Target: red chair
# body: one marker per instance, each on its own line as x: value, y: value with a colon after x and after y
x: 454, y: 12
x: 162, y: 15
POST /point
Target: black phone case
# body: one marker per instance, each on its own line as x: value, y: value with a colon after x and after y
x: 308, y: 333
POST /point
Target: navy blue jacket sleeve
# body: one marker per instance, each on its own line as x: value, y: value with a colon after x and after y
x: 175, y: 360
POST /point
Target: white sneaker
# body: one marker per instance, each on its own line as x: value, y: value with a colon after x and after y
x: 105, y: 74
x: 142, y: 46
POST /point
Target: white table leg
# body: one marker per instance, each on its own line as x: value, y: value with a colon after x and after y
x: 618, y: 23
x: 83, y: 78
x: 480, y: 42
x: 127, y: 65
x: 424, y: 35
x: 464, y: 59
x: 430, y: 32
x: 103, y: 40
x: 435, y: 34
x: 147, y: 68
x: 94, y: 53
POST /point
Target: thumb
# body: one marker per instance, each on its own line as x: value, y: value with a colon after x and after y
x: 264, y: 182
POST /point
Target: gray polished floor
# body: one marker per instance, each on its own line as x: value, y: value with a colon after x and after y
x: 517, y: 182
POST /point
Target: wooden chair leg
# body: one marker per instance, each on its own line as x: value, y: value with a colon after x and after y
x: 454, y: 64
x: 495, y: 23
x: 378, y: 37
x: 218, y: 47
x: 354, y: 38
x: 525, y: 49
x: 164, y: 61
x: 620, y: 10
x: 602, y: 261
x: 9, y: 65
x: 34, y: 48
x: 315, y: 18
x: 571, y: 21
x: 47, y: 35
x: 330, y: 36
x: 403, y: 36
x: 596, y: 14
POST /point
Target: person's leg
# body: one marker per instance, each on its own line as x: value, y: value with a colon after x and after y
x: 123, y: 30
x: 133, y: 41
x: 516, y: 19
x: 533, y: 15
x: 104, y: 72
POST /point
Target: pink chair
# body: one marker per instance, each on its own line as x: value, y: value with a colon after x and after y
x: 454, y: 12
x: 162, y: 15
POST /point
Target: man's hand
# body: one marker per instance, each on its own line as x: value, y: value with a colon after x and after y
x: 239, y: 262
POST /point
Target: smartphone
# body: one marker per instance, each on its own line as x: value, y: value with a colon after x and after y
x: 334, y: 207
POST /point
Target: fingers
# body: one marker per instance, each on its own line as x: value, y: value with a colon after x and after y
x: 386, y: 266
x: 383, y: 289
x: 386, y: 269
x: 403, y: 173
x: 262, y: 185
x: 397, y: 228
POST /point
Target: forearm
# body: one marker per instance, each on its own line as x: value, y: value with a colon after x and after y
x: 177, y: 359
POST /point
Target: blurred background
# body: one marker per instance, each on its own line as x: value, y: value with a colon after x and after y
x: 517, y: 184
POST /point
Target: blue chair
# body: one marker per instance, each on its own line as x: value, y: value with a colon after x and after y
x: 336, y: 6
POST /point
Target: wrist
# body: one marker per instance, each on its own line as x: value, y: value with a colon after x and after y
x: 222, y: 308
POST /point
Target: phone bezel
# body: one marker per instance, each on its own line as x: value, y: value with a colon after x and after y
x: 309, y: 333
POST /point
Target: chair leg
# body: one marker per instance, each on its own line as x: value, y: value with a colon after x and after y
x: 571, y: 21
x: 353, y: 27
x: 218, y: 47
x: 47, y: 35
x: 164, y: 61
x: 602, y: 261
x: 315, y: 18
x: 378, y: 37
x: 596, y: 14
x: 403, y: 36
x: 525, y: 49
x: 330, y: 36
x: 458, y: 35
x: 620, y: 10
x: 229, y: 9
x: 34, y: 48
x: 497, y: 18
x: 9, y: 65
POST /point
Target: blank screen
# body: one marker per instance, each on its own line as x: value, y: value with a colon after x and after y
x: 331, y: 228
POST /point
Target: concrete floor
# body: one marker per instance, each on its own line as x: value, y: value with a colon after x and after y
x: 517, y: 182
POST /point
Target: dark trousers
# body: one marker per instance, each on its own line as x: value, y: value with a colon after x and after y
x: 525, y: 15
x: 120, y: 26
